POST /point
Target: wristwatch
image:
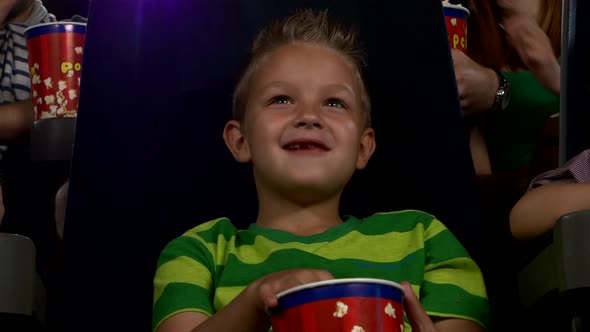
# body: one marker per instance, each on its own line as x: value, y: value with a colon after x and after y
x: 502, y: 94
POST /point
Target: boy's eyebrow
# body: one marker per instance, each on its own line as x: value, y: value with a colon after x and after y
x: 335, y: 87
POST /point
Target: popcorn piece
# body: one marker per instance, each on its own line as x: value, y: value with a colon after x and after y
x: 35, y: 94
x: 45, y: 115
x: 70, y: 73
x: 454, y: 22
x: 36, y: 79
x: 39, y: 101
x: 62, y: 85
x: 36, y: 66
x: 401, y: 327
x: 50, y: 100
x: 61, y: 111
x: 72, y: 94
x: 60, y: 97
x: 53, y: 109
x: 390, y: 311
x: 357, y: 328
x: 48, y: 83
x: 78, y: 50
x: 341, y: 309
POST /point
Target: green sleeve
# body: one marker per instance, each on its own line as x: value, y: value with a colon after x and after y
x: 453, y: 285
x: 184, y: 279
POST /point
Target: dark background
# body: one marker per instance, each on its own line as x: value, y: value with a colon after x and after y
x: 64, y: 9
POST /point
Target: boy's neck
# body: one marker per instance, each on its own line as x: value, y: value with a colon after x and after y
x: 285, y: 215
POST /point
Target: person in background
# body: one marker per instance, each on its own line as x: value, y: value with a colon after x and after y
x: 16, y: 108
x: 508, y: 84
x: 551, y: 195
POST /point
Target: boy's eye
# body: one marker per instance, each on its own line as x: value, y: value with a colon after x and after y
x: 335, y: 102
x: 281, y: 100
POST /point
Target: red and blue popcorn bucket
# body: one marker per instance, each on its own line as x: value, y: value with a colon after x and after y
x: 55, y: 63
x: 456, y: 21
x: 347, y: 305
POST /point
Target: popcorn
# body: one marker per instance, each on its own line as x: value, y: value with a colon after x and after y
x: 401, y: 327
x: 36, y: 79
x: 36, y: 66
x: 62, y: 85
x: 60, y: 97
x: 39, y: 101
x: 35, y: 93
x: 357, y: 328
x: 60, y: 111
x: 50, y: 100
x: 72, y: 94
x: 70, y: 73
x: 53, y: 109
x: 78, y: 50
x: 390, y: 311
x: 45, y: 115
x: 48, y: 83
x: 341, y: 309
x: 454, y: 22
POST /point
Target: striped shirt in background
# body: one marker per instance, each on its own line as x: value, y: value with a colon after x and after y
x: 15, y: 82
x: 207, y: 267
x: 576, y: 170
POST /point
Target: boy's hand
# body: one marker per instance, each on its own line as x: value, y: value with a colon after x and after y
x: 265, y: 289
x: 419, y: 320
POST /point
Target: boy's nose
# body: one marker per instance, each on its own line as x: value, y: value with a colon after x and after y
x: 308, y: 117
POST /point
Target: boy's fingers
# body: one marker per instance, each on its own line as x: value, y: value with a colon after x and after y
x: 419, y: 320
x: 268, y: 296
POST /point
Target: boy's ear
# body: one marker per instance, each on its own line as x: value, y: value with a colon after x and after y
x: 236, y: 141
x: 366, y: 149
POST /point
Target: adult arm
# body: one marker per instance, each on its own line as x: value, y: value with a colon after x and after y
x: 538, y: 210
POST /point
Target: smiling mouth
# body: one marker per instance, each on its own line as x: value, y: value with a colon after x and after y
x: 305, y: 146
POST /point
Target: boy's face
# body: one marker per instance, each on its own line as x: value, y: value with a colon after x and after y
x: 303, y: 128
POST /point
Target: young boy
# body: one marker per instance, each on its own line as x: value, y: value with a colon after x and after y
x: 302, y: 119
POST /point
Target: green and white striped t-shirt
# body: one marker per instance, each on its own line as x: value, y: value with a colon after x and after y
x: 208, y: 266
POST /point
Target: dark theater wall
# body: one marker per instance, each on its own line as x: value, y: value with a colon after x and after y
x: 65, y: 9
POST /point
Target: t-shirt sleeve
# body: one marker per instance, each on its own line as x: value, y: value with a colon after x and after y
x: 453, y: 285
x: 184, y: 279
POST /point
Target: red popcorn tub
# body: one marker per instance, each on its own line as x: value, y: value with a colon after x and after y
x: 55, y: 63
x: 347, y: 305
x: 456, y: 20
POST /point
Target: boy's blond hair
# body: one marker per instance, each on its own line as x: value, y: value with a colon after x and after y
x: 305, y: 26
